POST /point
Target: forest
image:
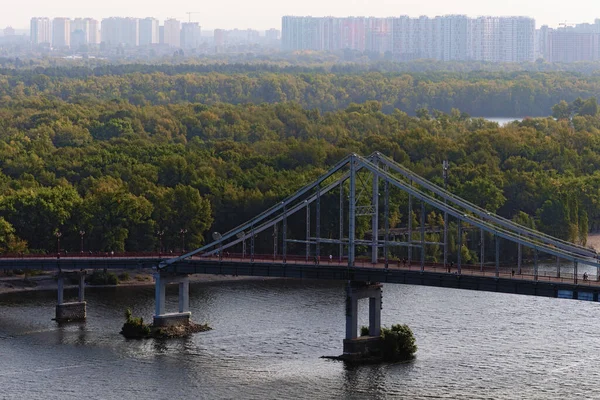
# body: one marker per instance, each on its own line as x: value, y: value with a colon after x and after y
x: 122, y: 157
x: 484, y: 93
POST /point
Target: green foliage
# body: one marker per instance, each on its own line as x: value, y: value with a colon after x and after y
x: 76, y: 154
x: 134, y: 327
x: 123, y: 277
x: 9, y: 242
x: 102, y: 278
x: 561, y: 110
x: 364, y: 331
x: 398, y: 343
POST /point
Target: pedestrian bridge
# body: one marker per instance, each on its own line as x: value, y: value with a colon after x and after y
x: 354, y: 194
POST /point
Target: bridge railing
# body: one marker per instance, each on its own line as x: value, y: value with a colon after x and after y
x: 93, y: 254
x: 505, y: 271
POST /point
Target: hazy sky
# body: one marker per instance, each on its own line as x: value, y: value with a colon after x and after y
x: 262, y: 14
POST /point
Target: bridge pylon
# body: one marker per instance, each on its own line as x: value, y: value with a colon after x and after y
x: 161, y: 317
x: 353, y: 344
x: 75, y: 310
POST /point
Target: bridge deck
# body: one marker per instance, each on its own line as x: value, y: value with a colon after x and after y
x: 471, y: 277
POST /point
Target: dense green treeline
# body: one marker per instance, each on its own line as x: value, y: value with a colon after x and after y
x: 122, y: 172
x: 482, y: 93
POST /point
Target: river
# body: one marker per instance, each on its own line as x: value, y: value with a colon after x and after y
x: 268, y: 338
x: 503, y: 120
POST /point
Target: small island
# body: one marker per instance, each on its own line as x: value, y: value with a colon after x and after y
x: 135, y: 328
x: 395, y: 344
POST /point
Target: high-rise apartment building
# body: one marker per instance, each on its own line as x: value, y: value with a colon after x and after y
x: 61, y: 33
x: 117, y: 31
x: 272, y: 35
x: 80, y: 32
x: 220, y: 39
x: 39, y: 32
x: 569, y: 43
x: 452, y: 37
x: 148, y: 31
x: 379, y: 37
x: 190, y: 35
x: 172, y: 32
x: 94, y: 37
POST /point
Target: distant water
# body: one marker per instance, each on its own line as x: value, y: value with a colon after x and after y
x: 503, y: 120
x: 269, y: 335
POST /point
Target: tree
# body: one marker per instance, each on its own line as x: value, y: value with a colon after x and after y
x: 9, y: 242
x: 183, y: 208
x: 552, y: 219
x: 111, y: 212
x: 561, y: 110
x: 37, y: 213
x: 589, y: 107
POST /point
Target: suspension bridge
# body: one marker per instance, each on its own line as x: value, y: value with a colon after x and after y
x: 353, y: 200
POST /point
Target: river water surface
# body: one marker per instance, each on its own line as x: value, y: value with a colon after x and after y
x: 268, y: 338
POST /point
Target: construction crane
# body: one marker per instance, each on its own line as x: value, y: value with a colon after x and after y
x: 566, y: 24
x: 189, y: 13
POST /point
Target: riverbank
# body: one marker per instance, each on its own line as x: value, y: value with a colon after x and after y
x: 593, y: 241
x: 46, y: 281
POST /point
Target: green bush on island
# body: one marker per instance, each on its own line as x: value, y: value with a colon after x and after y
x: 102, y: 278
x: 124, y: 277
x: 134, y: 327
x: 398, y: 343
x: 364, y: 331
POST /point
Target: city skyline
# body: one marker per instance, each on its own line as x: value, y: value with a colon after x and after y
x: 266, y: 14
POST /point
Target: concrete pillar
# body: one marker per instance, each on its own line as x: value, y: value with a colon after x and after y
x: 184, y: 295
x: 159, y: 294
x: 161, y: 318
x: 81, y: 287
x: 61, y: 288
x: 74, y: 311
x: 351, y: 313
x: 353, y: 345
x: 361, y: 290
x: 375, y: 314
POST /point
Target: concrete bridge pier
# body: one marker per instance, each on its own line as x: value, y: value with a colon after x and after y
x: 71, y: 311
x: 353, y: 344
x: 161, y: 318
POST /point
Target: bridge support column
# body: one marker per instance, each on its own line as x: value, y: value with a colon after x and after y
x: 353, y: 344
x: 161, y: 318
x: 375, y: 220
x: 70, y: 311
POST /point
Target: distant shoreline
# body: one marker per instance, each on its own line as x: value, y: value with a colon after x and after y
x: 138, y: 278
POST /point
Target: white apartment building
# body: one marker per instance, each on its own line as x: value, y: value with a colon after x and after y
x: 452, y: 37
x: 117, y: 31
x: 40, y: 31
x: 61, y: 33
x: 172, y: 32
x: 93, y: 31
x: 80, y: 32
x: 190, y: 35
x: 148, y: 31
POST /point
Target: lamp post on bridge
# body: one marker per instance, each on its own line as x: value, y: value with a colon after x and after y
x: 58, y: 234
x: 81, y: 233
x: 183, y: 231
x: 160, y: 234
